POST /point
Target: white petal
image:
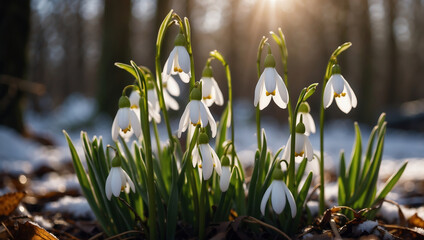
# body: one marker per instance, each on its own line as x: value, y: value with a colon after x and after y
x: 328, y: 93
x: 207, y: 163
x: 115, y: 129
x: 194, y: 112
x: 344, y: 103
x: 183, y: 59
x: 278, y: 198
x: 281, y: 97
x: 129, y: 181
x: 216, y: 161
x: 259, y: 89
x: 185, y: 77
x: 195, y: 159
x: 169, y: 62
x: 224, y: 180
x: 309, y: 151
x: 170, y: 101
x: 108, y: 187
x: 350, y: 92
x: 265, y: 198
x: 206, y: 86
x: 203, y: 114
x: 291, y: 201
x: 116, y: 183
x: 219, y: 98
x: 299, y: 143
x: 309, y: 122
x: 134, y: 98
x: 172, y: 87
x: 338, y: 83
x: 270, y: 83
x: 286, y: 153
x: 264, y: 100
x: 184, y: 121
x: 154, y: 112
x: 123, y: 118
x: 126, y: 136
x: 135, y: 124
x: 211, y: 120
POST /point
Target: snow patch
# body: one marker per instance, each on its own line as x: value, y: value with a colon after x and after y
x: 77, y: 206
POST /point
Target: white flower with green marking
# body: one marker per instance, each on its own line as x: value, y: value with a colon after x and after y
x: 303, y: 147
x: 338, y: 88
x: 195, y: 113
x: 279, y: 194
x: 205, y: 157
x: 210, y: 89
x: 224, y: 180
x: 304, y: 112
x: 178, y: 62
x: 118, y: 180
x: 270, y: 85
x: 126, y: 121
x: 170, y: 88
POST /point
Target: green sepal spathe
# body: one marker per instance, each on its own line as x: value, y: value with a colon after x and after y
x: 196, y: 94
x: 335, y: 69
x: 203, y: 138
x: 225, y: 161
x: 269, y: 61
x: 278, y: 174
x: 116, y: 161
x: 207, y: 72
x: 300, y: 127
x: 304, y: 107
x: 180, y: 40
x: 124, y: 102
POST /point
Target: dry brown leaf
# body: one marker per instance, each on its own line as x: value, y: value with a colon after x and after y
x: 416, y: 221
x: 9, y: 202
x: 29, y: 230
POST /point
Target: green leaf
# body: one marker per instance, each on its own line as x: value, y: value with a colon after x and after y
x: 276, y: 38
x: 341, y: 49
x: 301, y: 170
x: 222, y: 133
x: 368, y: 154
x: 187, y: 29
x: 390, y: 183
x: 252, y: 184
x: 310, y: 90
x: 355, y: 163
x: 127, y: 68
x: 162, y: 30
x: 172, y: 214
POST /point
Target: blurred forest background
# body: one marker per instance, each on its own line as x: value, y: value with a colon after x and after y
x: 50, y: 49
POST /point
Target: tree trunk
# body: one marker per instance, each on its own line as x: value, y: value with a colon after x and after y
x: 115, y: 48
x: 14, y: 27
x: 392, y: 78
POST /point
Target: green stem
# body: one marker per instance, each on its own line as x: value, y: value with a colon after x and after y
x: 155, y: 128
x: 202, y: 211
x: 258, y: 70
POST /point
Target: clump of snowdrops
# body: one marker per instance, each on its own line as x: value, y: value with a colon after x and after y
x: 133, y: 189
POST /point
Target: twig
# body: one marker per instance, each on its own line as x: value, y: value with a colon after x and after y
x: 312, y: 193
x: 122, y: 234
x: 254, y: 220
x: 135, y: 213
x: 70, y: 236
x: 335, y: 230
x: 96, y: 236
x: 402, y: 219
x: 7, y: 230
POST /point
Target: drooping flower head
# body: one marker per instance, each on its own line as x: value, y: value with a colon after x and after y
x: 210, y: 90
x: 178, y: 61
x: 170, y: 88
x: 337, y: 87
x: 303, y: 147
x: 117, y: 180
x: 204, y: 156
x: 153, y: 103
x: 196, y: 112
x: 126, y: 121
x: 270, y: 85
x: 224, y: 180
x: 279, y: 194
x: 304, y: 112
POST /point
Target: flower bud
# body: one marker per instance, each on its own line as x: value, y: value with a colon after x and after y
x: 180, y: 40
x: 304, y: 107
x: 300, y: 127
x: 269, y: 61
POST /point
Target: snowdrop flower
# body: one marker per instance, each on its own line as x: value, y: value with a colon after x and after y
x: 170, y: 88
x: 178, y: 61
x: 279, y: 194
x: 337, y: 87
x: 118, y: 180
x: 196, y: 112
x: 303, y: 147
x: 270, y: 85
x: 152, y: 102
x: 303, y: 112
x: 126, y: 120
x: 224, y: 180
x: 210, y: 90
x: 204, y: 156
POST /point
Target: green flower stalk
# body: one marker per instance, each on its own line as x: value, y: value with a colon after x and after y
x: 328, y: 73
